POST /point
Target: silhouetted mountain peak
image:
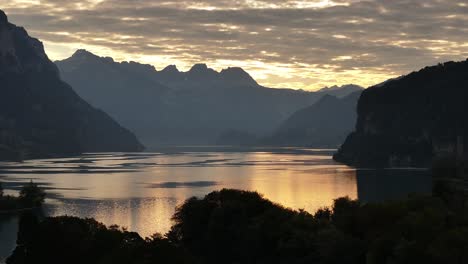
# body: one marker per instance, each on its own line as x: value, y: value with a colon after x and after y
x: 201, y: 72
x: 87, y: 58
x: 341, y: 91
x: 133, y: 66
x: 170, y: 69
x: 234, y: 70
x: 199, y: 67
x: 336, y: 87
x: 237, y: 74
x: 82, y: 54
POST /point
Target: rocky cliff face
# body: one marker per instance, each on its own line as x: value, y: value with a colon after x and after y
x: 407, y: 120
x: 40, y: 115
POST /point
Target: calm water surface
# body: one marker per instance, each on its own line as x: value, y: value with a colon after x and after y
x: 141, y: 190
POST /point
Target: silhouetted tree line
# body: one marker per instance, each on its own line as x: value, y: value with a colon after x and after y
x: 30, y: 196
x: 231, y: 226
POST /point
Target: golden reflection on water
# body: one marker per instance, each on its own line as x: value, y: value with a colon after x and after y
x: 141, y: 191
x: 309, y: 191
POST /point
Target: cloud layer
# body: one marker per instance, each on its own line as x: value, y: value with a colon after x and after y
x: 282, y: 43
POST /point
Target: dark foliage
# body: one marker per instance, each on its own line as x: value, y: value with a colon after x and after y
x: 232, y: 226
x: 75, y: 241
x: 30, y: 196
x: 241, y: 227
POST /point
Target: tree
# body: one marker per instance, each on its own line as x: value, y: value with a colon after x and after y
x: 31, y: 195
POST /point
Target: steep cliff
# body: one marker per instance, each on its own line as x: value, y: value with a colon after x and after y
x: 406, y: 121
x: 40, y: 115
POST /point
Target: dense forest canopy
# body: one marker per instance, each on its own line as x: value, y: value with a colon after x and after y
x: 231, y: 226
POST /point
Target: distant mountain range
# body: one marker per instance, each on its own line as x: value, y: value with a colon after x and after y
x: 202, y: 76
x: 193, y: 107
x: 409, y: 120
x: 341, y: 91
x: 40, y: 115
x: 324, y: 124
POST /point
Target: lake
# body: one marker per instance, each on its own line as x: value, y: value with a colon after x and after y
x: 140, y: 191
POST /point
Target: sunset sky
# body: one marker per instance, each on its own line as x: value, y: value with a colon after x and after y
x: 293, y: 44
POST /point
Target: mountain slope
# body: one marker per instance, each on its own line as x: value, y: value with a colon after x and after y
x: 127, y: 91
x: 408, y: 120
x: 324, y: 124
x: 40, y: 115
x: 175, y: 107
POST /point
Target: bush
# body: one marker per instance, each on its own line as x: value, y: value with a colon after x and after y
x: 71, y: 240
x: 31, y: 195
x: 233, y: 226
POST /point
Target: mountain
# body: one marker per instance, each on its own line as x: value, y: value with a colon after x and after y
x: 175, y: 107
x: 40, y: 115
x: 200, y: 76
x: 341, y: 91
x: 324, y: 124
x: 127, y: 91
x: 406, y: 121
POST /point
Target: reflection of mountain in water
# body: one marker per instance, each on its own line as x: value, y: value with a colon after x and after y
x: 388, y: 184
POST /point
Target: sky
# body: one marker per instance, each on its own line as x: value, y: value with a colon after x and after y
x: 306, y: 44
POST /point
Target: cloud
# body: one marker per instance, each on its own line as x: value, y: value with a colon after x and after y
x: 283, y: 43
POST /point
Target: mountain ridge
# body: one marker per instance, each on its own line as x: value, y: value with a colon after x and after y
x: 174, y: 107
x: 199, y: 71
x: 40, y: 115
x: 229, y: 73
